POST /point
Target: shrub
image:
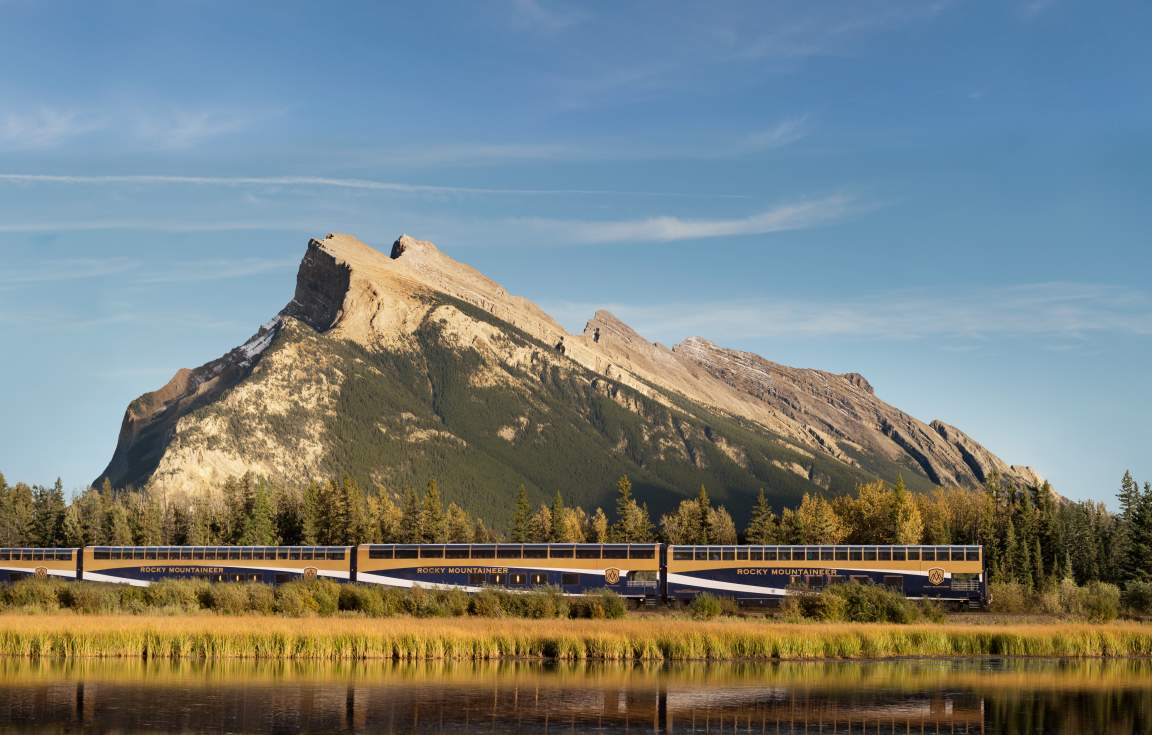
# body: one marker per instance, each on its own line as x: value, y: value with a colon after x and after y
x: 90, y: 598
x: 39, y: 594
x: 486, y: 604
x: 229, y: 598
x: 1138, y: 598
x: 261, y: 599
x: 613, y: 604
x: 454, y: 602
x: 705, y: 606
x: 1007, y: 597
x: 824, y: 606
x: 1100, y: 601
x: 870, y: 603
x: 295, y: 599
x: 326, y: 593
x: 184, y: 594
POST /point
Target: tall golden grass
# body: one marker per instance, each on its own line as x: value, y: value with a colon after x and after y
x: 409, y: 639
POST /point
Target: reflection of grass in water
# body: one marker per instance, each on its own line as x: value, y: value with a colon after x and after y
x: 1006, y: 676
x: 208, y: 637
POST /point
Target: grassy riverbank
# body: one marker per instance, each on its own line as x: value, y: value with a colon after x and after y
x: 260, y: 637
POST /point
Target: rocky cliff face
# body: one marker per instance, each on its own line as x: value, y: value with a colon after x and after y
x: 402, y: 366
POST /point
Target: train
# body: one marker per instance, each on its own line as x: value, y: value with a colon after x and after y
x: 647, y: 574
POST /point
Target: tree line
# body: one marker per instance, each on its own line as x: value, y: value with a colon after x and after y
x: 1031, y: 535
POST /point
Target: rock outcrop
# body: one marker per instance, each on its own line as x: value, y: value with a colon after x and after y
x: 385, y: 364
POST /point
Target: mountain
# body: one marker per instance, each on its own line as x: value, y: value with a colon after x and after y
x: 401, y: 367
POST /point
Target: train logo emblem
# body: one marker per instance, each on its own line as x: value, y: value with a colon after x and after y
x: 309, y: 572
x: 41, y: 572
x: 935, y: 576
x: 612, y: 575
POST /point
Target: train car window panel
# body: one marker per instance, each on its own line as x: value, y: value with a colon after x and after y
x: 841, y: 553
x: 855, y: 553
x: 483, y: 552
x: 616, y: 552
x: 927, y: 553
x: 570, y: 578
x: 860, y: 579
x: 972, y: 553
x: 913, y: 553
x: 713, y: 554
x: 508, y: 552
x: 562, y: 552
x: 812, y: 553
x: 587, y: 552
x: 496, y: 579
x: 642, y: 552
x: 827, y: 553
x: 756, y: 554
x: 869, y: 553
x: 885, y: 553
x: 680, y: 553
x: 380, y: 552
x: 517, y: 578
x: 539, y: 579
x: 535, y: 551
x: 899, y: 553
x: 742, y: 554
x: 431, y: 552
x: 728, y: 554
x: 475, y: 579
x: 407, y: 552
x: 894, y: 582
x: 455, y: 552
x: 769, y: 553
x: 957, y: 554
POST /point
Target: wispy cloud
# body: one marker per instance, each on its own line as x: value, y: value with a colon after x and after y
x: 217, y: 270
x: 793, y: 216
x: 322, y: 182
x: 42, y: 128
x: 49, y: 127
x: 783, y: 133
x: 548, y: 16
x: 1067, y: 311
x: 1035, y: 8
x: 70, y: 269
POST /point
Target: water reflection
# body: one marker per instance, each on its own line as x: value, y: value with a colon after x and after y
x: 933, y: 696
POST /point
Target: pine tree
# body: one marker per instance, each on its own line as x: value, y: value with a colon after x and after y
x: 257, y: 521
x: 598, y: 529
x: 813, y: 522
x: 48, y: 510
x: 559, y: 514
x: 410, y: 531
x: 703, y: 520
x: 908, y: 525
x: 461, y: 529
x: 633, y: 524
x: 433, y: 524
x: 763, y: 528
x: 521, y: 517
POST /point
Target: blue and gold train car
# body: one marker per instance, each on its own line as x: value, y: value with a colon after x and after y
x: 758, y: 574
x: 21, y: 563
x: 142, y: 565
x: 630, y: 570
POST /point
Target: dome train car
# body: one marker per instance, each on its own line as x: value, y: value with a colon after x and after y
x: 648, y: 573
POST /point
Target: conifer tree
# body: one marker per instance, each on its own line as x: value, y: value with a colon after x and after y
x: 763, y: 527
x: 521, y: 517
x: 48, y: 515
x: 433, y: 524
x: 559, y: 514
x: 598, y: 529
x: 410, y: 531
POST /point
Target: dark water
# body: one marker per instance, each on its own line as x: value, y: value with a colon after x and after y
x: 921, y: 696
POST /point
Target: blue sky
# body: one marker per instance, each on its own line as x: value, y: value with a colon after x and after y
x: 948, y: 197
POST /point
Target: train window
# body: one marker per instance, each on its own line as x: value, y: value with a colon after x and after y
x: 407, y: 552
x: 771, y: 553
x: 295, y: 553
x: 508, y: 552
x: 884, y: 553
x: 812, y: 553
x: 517, y: 578
x: 898, y: 554
x: 972, y: 553
x: 241, y: 553
x: 497, y: 578
x: 539, y: 579
x: 913, y: 553
x: 307, y: 553
x: 338, y: 553
x: 475, y: 579
x: 483, y: 552
x: 198, y: 552
x: 714, y: 554
x: 941, y: 553
x: 728, y: 554
x: 927, y: 553
x: 860, y: 579
x: 679, y: 553
x: 869, y: 553
x: 4, y: 555
x: 615, y: 552
x: 432, y: 552
x: 855, y: 553
x: 100, y: 554
x: 756, y: 554
x: 536, y: 552
x: 795, y: 581
x: 894, y: 582
x: 742, y: 553
x: 700, y: 554
x: 826, y: 554
x: 561, y: 552
x: 957, y: 554
x: 379, y: 552
x: 841, y: 553
x: 642, y: 552
x: 587, y: 552
x: 568, y: 578
x: 456, y: 552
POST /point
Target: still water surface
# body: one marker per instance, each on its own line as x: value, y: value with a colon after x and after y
x: 918, y: 696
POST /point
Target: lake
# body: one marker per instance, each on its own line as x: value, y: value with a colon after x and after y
x: 1009, y: 696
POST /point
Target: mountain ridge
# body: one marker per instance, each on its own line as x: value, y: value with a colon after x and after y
x: 416, y: 333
